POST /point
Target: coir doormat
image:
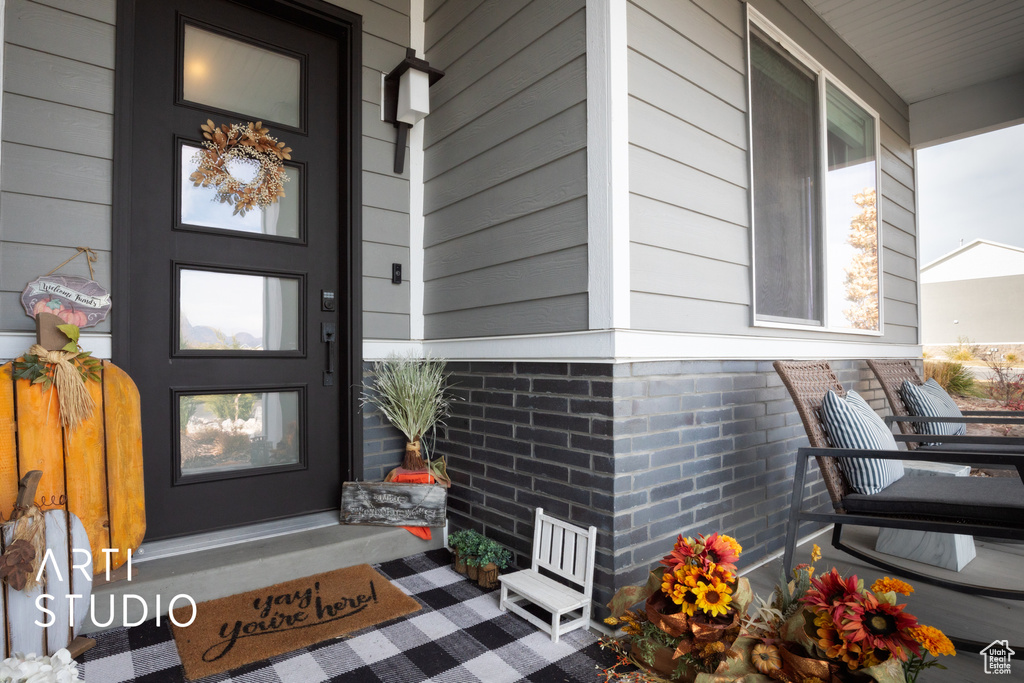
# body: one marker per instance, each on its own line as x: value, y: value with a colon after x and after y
x: 233, y: 631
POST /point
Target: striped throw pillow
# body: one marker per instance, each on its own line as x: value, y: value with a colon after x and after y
x: 931, y: 400
x: 851, y: 423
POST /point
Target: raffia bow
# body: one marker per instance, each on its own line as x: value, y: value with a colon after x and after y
x: 74, y: 400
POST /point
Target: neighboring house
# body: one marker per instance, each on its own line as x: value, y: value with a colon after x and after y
x: 615, y: 216
x: 970, y: 293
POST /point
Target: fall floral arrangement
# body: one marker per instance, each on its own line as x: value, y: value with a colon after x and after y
x: 246, y: 144
x: 693, y: 606
x: 830, y: 629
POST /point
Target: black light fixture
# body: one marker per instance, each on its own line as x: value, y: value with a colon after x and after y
x: 407, y: 98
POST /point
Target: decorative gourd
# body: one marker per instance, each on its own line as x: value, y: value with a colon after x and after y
x: 73, y: 317
x: 94, y: 471
x: 18, y: 610
x: 47, y: 306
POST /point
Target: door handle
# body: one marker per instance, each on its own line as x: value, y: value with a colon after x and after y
x: 329, y: 335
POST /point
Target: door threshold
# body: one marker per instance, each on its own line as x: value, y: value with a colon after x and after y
x: 196, y: 543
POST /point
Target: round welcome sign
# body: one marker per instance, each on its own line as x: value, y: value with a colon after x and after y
x: 74, y: 300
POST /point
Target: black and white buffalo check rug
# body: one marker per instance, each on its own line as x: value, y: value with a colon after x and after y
x: 459, y: 636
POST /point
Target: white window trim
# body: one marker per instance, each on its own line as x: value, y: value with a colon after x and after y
x: 823, y: 76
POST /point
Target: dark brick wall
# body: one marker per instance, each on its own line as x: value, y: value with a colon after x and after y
x: 642, y: 451
x: 528, y: 435
x: 383, y: 445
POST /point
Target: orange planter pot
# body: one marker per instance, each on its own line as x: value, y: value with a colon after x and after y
x: 96, y: 470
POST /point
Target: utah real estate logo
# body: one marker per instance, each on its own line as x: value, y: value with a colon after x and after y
x: 997, y: 657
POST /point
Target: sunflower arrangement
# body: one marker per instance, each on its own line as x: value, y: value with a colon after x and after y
x: 693, y: 604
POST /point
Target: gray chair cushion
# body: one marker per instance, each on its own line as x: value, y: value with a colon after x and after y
x: 996, y: 500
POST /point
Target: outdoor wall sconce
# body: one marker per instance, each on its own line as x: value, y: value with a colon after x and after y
x: 407, y: 98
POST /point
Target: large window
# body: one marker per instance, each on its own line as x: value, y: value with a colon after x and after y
x: 814, y: 162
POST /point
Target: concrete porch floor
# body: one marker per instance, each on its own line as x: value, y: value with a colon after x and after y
x: 239, y: 567
x: 955, y: 614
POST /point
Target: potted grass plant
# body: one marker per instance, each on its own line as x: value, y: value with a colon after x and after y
x: 411, y: 394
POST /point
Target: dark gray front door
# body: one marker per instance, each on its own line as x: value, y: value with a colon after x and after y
x: 241, y: 353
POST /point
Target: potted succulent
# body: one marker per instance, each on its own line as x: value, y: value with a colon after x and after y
x: 475, y: 546
x: 411, y: 394
x: 463, y: 543
x: 492, y: 557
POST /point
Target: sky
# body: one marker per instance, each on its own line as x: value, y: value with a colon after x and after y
x: 971, y: 189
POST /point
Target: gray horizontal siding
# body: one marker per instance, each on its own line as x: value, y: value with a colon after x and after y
x: 31, y: 219
x: 531, y: 317
x: 556, y: 227
x: 58, y: 139
x: 52, y: 173
x: 57, y: 32
x: 34, y: 122
x: 546, y: 142
x: 58, y: 79
x: 527, y: 108
x: 505, y: 169
x: 689, y: 168
x: 511, y: 59
x: 101, y: 10
x: 554, y: 274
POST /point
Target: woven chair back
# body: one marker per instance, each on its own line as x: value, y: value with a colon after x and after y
x: 891, y: 374
x: 808, y: 381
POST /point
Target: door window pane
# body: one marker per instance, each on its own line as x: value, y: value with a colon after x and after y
x: 784, y: 106
x: 199, y: 205
x: 851, y: 219
x: 227, y: 432
x: 228, y: 74
x: 231, y: 311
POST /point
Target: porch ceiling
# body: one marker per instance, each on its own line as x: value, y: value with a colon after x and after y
x: 925, y: 48
x: 940, y: 55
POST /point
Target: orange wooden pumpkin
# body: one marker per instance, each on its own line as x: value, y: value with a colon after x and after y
x: 96, y: 469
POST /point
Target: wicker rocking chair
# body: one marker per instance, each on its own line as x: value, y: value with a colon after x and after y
x: 891, y: 373
x: 991, y: 507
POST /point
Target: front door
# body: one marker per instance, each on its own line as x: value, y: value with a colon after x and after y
x: 238, y: 323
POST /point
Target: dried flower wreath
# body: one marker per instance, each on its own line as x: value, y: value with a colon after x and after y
x: 246, y: 142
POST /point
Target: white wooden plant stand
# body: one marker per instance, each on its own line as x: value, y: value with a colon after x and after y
x: 567, y: 551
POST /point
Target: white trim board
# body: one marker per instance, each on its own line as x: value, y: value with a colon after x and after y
x: 624, y: 346
x: 13, y: 344
x: 607, y: 165
x: 414, y: 274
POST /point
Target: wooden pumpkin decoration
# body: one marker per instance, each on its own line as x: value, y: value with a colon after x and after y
x: 94, y: 471
x: 18, y: 609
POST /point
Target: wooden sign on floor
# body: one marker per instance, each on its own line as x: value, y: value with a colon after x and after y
x: 393, y: 504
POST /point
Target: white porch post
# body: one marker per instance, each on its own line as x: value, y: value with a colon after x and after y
x: 417, y: 41
x: 607, y: 165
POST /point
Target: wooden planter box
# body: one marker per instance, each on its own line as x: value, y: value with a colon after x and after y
x: 94, y: 472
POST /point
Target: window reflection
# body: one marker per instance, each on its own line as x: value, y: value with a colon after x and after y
x: 200, y: 207
x: 240, y: 77
x: 226, y: 432
x: 230, y: 311
x: 852, y: 226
